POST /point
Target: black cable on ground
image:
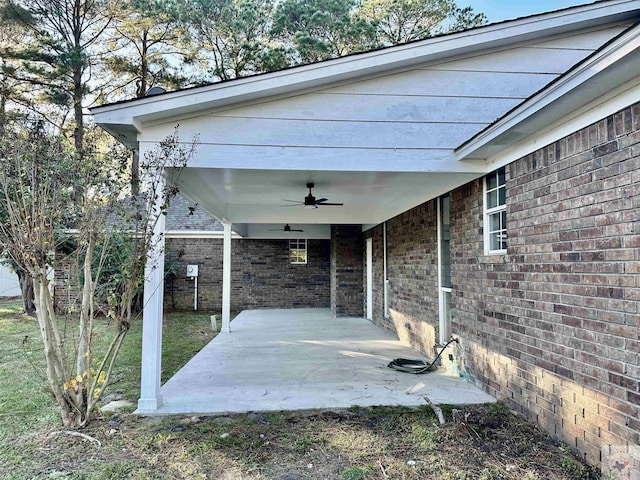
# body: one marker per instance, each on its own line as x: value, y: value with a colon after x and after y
x: 418, y: 366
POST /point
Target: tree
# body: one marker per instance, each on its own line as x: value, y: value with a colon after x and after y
x: 16, y: 92
x: 464, y: 18
x: 322, y: 29
x: 61, y: 52
x: 146, y: 45
x: 47, y: 223
x: 401, y: 21
x: 144, y: 49
x: 233, y: 37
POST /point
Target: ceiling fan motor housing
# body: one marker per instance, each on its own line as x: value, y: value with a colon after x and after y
x: 309, y: 201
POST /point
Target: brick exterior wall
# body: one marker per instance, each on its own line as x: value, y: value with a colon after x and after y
x: 347, y: 270
x: 412, y: 267
x: 557, y: 338
x: 261, y: 275
x: 66, y: 279
x: 552, y: 327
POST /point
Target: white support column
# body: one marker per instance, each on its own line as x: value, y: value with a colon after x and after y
x: 150, y: 398
x: 226, y: 279
x: 385, y: 286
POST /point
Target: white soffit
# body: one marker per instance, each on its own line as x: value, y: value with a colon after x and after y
x: 260, y: 196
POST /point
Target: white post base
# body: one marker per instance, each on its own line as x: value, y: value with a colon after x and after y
x: 149, y: 405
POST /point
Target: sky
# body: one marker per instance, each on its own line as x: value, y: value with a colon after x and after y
x: 498, y: 10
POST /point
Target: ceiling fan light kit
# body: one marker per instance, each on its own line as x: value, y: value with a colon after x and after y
x: 287, y: 228
x: 311, y: 202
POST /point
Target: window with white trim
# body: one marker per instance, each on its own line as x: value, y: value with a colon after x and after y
x: 298, y: 251
x: 495, y: 213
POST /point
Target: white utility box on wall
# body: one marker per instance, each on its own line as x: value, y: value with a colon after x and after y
x: 192, y: 270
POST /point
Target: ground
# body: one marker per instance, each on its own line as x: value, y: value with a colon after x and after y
x: 477, y: 442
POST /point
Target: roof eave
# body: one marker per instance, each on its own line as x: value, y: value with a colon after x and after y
x: 595, y: 79
x: 123, y: 119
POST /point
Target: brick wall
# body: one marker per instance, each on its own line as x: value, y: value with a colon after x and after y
x: 412, y: 262
x: 67, y: 292
x: 261, y: 275
x: 552, y: 327
x: 347, y: 270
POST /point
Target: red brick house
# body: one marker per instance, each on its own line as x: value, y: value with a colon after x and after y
x: 491, y: 189
x: 263, y: 274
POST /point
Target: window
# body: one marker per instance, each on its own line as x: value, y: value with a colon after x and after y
x: 495, y: 212
x: 444, y: 259
x: 297, y: 251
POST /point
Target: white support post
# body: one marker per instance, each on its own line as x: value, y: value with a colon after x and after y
x: 150, y: 398
x: 226, y: 279
x: 385, y: 287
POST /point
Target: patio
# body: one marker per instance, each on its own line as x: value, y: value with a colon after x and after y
x: 304, y: 359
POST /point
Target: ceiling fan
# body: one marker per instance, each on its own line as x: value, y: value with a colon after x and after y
x: 287, y: 228
x: 311, y: 202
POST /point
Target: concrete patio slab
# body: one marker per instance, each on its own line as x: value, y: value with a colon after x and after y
x: 304, y: 359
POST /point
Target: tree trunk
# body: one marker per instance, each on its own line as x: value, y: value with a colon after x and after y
x: 26, y: 287
x: 56, y: 368
x: 135, y: 172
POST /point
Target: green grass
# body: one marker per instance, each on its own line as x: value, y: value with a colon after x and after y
x: 25, y: 403
x: 26, y: 407
x: 184, y: 334
x: 355, y: 444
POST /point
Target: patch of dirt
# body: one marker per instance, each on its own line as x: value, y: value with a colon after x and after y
x: 485, y: 442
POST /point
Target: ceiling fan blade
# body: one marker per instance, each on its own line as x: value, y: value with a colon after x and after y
x: 293, y: 205
x: 295, y: 230
x: 295, y: 201
x: 320, y: 200
x: 329, y: 204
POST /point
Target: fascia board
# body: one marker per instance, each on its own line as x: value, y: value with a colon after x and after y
x: 618, y: 99
x: 596, y: 66
x: 197, y: 234
x: 365, y: 64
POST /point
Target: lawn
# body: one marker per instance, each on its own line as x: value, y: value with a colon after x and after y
x: 482, y: 442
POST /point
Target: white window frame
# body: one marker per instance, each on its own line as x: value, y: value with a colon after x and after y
x: 298, y: 245
x: 488, y: 212
x: 444, y: 293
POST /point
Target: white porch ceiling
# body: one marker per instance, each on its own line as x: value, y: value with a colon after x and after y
x: 385, y: 131
x: 257, y: 196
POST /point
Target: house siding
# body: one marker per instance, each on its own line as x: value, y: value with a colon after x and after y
x: 551, y: 327
x: 261, y: 275
x: 383, y: 119
x: 9, y: 284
